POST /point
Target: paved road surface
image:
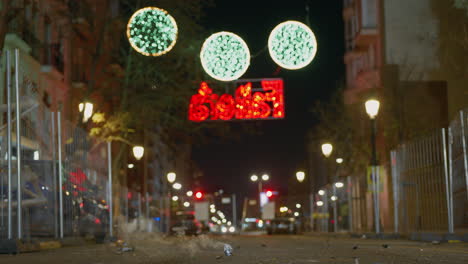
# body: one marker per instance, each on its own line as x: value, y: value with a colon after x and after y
x: 252, y: 250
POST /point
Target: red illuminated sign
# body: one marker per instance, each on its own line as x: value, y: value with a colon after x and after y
x: 248, y: 102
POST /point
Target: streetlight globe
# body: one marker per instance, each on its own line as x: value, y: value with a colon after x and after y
x: 189, y: 193
x: 300, y: 175
x: 186, y: 204
x: 327, y: 149
x: 177, y: 186
x: 339, y: 160
x: 175, y: 198
x: 298, y: 206
x: 171, y: 176
x: 321, y: 192
x: 334, y: 198
x: 265, y: 177
x: 339, y: 185
x: 319, y: 203
x: 254, y: 178
x: 138, y: 152
x: 372, y: 107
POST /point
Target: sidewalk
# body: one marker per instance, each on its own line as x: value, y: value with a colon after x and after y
x: 424, y: 236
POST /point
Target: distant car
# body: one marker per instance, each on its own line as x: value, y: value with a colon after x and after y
x: 281, y: 226
x: 186, y: 224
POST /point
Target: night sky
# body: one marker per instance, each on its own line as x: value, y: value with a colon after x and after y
x: 280, y: 149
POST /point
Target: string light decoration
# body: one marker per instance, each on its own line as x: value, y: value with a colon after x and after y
x: 225, y: 56
x: 247, y: 103
x: 292, y: 45
x: 152, y: 31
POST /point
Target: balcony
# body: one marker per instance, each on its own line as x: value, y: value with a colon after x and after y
x: 78, y: 76
x: 52, y: 57
x: 27, y: 36
x: 82, y: 15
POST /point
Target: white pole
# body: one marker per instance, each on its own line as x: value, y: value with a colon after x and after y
x: 335, y: 210
x: 54, y: 169
x: 109, y: 170
x: 465, y: 155
x: 234, y: 210
x: 147, y: 208
x: 350, y: 204
x: 10, y: 197
x: 447, y: 183
x: 395, y: 174
x: 18, y: 146
x: 59, y: 144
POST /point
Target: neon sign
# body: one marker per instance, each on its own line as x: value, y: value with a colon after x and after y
x: 248, y: 102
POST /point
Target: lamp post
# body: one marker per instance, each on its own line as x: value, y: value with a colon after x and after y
x: 372, y: 109
x: 171, y: 177
x: 255, y: 178
x: 327, y: 149
x: 87, y: 109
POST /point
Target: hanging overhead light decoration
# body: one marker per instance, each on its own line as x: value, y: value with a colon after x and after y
x: 152, y: 31
x: 292, y: 45
x: 225, y: 56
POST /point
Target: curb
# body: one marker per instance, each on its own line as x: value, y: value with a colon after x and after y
x: 423, y: 237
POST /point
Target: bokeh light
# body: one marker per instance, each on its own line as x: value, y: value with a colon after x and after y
x: 152, y: 31
x: 225, y: 56
x: 292, y: 45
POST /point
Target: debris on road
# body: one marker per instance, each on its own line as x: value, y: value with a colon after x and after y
x: 263, y: 245
x: 124, y: 247
x: 435, y: 242
x: 228, y: 250
x: 219, y: 257
x: 385, y: 246
x: 355, y: 247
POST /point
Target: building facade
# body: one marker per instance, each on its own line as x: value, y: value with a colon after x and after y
x: 398, y: 51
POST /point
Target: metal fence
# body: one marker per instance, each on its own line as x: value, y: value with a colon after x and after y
x: 55, y: 179
x: 84, y: 181
x: 430, y: 178
x: 458, y: 171
x: 419, y: 184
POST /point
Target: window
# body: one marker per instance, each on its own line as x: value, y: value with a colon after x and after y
x: 369, y: 13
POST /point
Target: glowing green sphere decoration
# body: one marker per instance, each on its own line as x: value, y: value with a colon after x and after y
x: 152, y: 31
x: 292, y: 45
x: 225, y: 56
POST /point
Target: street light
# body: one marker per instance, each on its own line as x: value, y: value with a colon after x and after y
x: 321, y: 192
x: 339, y: 185
x: 130, y: 166
x: 171, y: 177
x: 189, y: 193
x: 254, y: 178
x: 372, y: 109
x: 87, y: 109
x: 177, y: 186
x: 186, y: 204
x: 175, y: 198
x: 319, y: 203
x: 265, y: 177
x: 339, y: 160
x: 138, y: 152
x: 300, y: 175
x: 298, y: 206
x: 327, y: 149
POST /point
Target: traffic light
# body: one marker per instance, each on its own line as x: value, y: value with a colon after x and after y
x: 198, y: 195
x: 269, y: 194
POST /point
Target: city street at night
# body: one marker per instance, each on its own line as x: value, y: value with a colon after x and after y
x: 221, y: 131
x: 254, y: 250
